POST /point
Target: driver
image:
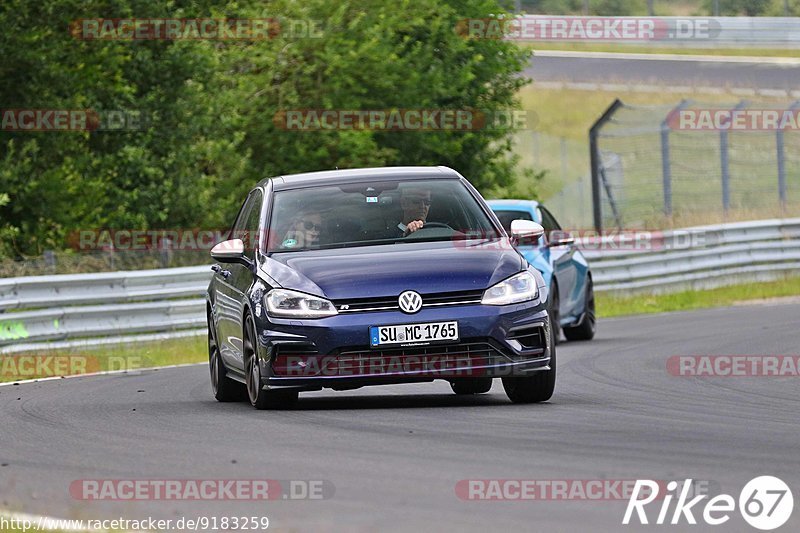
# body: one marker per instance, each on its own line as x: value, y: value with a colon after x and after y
x: 415, y: 202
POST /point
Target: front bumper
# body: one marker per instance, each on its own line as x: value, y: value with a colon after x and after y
x: 334, y: 352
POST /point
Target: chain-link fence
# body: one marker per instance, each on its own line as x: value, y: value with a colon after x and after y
x: 567, y: 188
x: 657, y: 167
x: 692, y: 163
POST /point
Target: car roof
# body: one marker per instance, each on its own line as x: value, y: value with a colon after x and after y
x: 513, y: 203
x: 332, y: 177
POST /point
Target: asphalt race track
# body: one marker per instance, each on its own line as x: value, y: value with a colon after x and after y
x: 394, y: 455
x: 665, y: 72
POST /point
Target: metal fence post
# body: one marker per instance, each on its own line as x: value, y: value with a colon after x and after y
x: 723, y: 155
x: 666, y: 164
x: 582, y: 202
x: 781, y: 167
x: 50, y: 261
x: 779, y: 149
x: 594, y: 158
x: 724, y: 160
x: 666, y: 170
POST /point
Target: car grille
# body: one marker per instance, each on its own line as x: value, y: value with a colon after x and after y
x: 466, y: 356
x: 390, y: 303
x: 293, y: 348
x: 530, y: 337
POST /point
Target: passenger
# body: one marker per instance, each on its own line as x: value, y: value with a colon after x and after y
x: 304, y: 230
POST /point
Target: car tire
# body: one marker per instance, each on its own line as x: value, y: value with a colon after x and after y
x: 536, y: 388
x: 224, y: 388
x: 259, y: 397
x: 465, y: 386
x: 585, y: 330
x: 552, y: 312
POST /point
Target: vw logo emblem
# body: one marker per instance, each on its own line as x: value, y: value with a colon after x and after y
x: 410, y: 301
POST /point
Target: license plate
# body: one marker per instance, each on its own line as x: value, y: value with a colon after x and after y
x: 413, y: 333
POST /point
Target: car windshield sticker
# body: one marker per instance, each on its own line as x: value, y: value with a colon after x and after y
x: 289, y: 243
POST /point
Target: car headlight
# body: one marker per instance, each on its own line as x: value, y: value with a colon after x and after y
x: 518, y: 288
x: 293, y: 304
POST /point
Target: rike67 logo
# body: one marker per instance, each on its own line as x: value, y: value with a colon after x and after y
x: 766, y: 503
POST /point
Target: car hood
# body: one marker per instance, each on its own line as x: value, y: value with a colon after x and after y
x: 388, y: 270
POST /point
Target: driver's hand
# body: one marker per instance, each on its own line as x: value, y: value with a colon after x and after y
x: 414, y: 225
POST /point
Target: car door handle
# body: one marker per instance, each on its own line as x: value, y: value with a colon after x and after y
x: 219, y: 270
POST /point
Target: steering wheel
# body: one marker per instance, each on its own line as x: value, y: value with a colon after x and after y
x: 427, y: 226
x: 435, y: 225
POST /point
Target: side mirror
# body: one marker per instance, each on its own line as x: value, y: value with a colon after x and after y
x: 526, y: 231
x: 560, y: 238
x: 230, y: 251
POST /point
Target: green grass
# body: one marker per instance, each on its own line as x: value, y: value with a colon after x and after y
x: 653, y: 49
x: 21, y: 529
x: 9, y: 524
x: 569, y: 113
x: 112, y: 357
x: 610, y: 305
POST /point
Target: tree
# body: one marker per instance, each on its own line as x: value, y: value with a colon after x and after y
x: 784, y: 8
x: 617, y: 8
x: 59, y: 182
x: 751, y: 8
x: 212, y: 106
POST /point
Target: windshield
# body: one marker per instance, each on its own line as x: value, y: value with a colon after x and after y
x: 372, y: 213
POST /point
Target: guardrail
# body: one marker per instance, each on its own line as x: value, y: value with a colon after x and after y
x: 77, y: 307
x: 56, y: 308
x: 94, y: 320
x: 697, y: 258
x: 105, y: 287
x: 691, y: 32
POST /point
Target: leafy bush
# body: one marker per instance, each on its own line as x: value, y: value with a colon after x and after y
x: 210, y: 134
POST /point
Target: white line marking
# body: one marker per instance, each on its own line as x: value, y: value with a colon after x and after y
x: 710, y: 90
x: 102, y: 373
x: 583, y: 86
x: 80, y: 343
x: 778, y: 93
x: 550, y: 84
x: 684, y: 89
x: 39, y: 522
x: 615, y: 87
x: 646, y: 89
x: 780, y: 61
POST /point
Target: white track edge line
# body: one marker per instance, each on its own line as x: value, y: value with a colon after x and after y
x: 38, y: 523
x: 770, y: 60
x: 101, y: 373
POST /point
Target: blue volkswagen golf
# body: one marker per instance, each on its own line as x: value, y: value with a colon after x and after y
x: 347, y: 278
x: 563, y: 266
